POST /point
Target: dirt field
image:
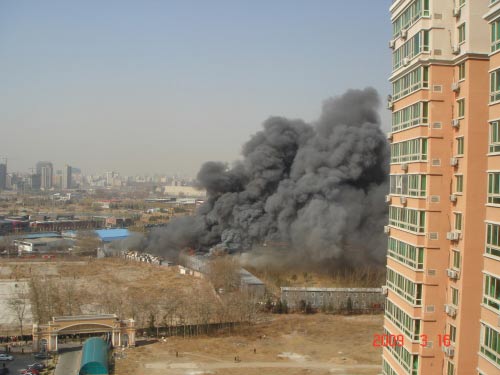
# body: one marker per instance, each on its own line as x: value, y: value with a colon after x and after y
x: 284, y: 344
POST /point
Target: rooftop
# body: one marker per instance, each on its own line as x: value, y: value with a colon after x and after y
x: 108, y: 235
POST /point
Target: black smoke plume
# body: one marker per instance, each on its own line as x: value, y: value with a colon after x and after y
x: 317, y: 188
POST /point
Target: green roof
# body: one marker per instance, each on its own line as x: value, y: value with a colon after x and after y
x: 94, y: 357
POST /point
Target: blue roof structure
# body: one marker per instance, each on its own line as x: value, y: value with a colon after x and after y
x: 32, y: 236
x: 108, y: 235
x: 94, y: 357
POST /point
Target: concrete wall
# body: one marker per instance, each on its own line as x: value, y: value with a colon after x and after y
x: 363, y: 300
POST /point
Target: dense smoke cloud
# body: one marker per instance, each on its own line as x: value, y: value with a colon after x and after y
x: 317, y: 188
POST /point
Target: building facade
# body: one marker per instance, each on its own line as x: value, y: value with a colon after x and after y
x: 441, y: 285
x: 66, y: 177
x: 3, y: 176
x: 46, y: 170
x: 489, y: 346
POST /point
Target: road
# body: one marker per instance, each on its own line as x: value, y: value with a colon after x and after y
x: 69, y: 362
x: 21, y: 361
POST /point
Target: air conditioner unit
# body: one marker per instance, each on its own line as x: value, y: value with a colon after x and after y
x: 404, y: 33
x: 453, y: 236
x: 403, y: 200
x: 387, y: 229
x: 450, y: 310
x: 404, y: 166
x: 449, y: 351
x: 387, y: 199
x: 453, y: 198
x: 454, y: 162
x: 392, y: 44
x: 455, y: 123
x: 389, y: 137
x: 456, y: 12
x: 455, y: 50
x: 385, y: 290
x: 406, y: 61
x: 452, y: 274
x: 455, y: 86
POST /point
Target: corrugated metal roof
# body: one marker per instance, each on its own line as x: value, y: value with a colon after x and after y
x: 108, y: 235
x: 94, y: 357
x: 31, y: 236
x: 249, y: 279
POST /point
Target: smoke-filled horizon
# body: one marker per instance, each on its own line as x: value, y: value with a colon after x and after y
x: 318, y: 187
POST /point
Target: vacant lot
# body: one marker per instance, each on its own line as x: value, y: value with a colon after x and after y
x: 284, y: 344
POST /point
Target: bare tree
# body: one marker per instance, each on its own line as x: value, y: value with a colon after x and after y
x: 87, y: 243
x: 7, y: 245
x: 224, y: 274
x: 18, y: 304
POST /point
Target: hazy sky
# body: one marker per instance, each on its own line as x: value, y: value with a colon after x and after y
x: 161, y: 86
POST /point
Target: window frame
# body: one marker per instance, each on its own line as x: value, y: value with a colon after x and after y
x: 459, y: 183
x: 461, y: 32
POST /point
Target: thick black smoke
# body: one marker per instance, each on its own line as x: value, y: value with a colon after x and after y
x: 318, y: 188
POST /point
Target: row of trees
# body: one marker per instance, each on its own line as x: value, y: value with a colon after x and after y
x: 172, y: 310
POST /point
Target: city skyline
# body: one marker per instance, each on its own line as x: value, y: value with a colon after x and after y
x: 161, y: 87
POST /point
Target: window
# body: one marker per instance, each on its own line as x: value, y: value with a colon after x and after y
x: 387, y: 369
x: 494, y: 136
x: 416, y: 10
x: 491, y: 293
x: 494, y: 187
x: 456, y: 259
x: 409, y: 326
x: 460, y: 146
x: 406, y: 359
x: 495, y: 35
x: 495, y: 86
x: 459, y: 183
x: 413, y: 115
x: 461, y: 33
x: 461, y: 107
x: 458, y: 221
x: 492, y: 239
x: 490, y: 343
x: 406, y: 288
x: 410, y: 82
x: 453, y: 333
x: 413, y: 185
x: 407, y: 218
x: 450, y: 370
x: 454, y: 296
x: 414, y: 46
x: 405, y: 253
x: 461, y: 71
x: 408, y: 151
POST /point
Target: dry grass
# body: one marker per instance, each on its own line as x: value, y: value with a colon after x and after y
x: 328, y: 339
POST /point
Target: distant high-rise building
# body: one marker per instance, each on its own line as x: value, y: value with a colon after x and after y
x: 3, y: 176
x: 35, y: 181
x: 46, y: 171
x: 66, y: 178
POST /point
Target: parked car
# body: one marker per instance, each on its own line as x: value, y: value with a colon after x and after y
x: 6, y: 357
x: 42, y: 356
x: 37, y: 366
x: 29, y: 372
